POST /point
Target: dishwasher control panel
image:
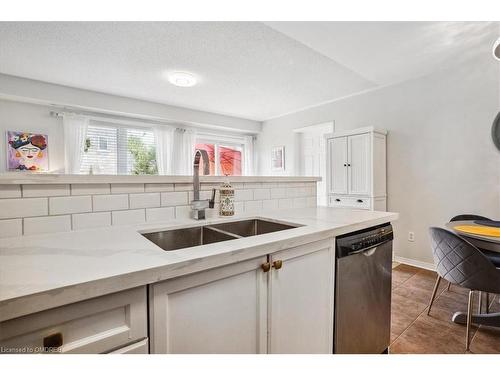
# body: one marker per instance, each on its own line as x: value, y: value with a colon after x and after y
x: 363, y: 240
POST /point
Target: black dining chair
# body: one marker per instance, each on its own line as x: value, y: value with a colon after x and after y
x: 463, y: 264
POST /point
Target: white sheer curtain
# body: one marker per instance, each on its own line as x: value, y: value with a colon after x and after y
x: 75, y: 132
x: 183, y: 155
x: 248, y: 157
x: 164, y: 141
x: 174, y: 150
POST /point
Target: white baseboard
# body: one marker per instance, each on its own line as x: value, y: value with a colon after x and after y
x: 415, y: 263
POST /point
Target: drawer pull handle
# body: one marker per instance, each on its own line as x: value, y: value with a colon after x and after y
x: 337, y: 200
x: 277, y: 264
x: 266, y: 266
x: 53, y: 341
x: 360, y: 200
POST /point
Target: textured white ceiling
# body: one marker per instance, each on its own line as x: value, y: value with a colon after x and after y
x: 390, y: 52
x: 251, y: 70
x: 246, y: 69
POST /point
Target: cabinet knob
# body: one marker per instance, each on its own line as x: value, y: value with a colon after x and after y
x: 266, y: 267
x: 360, y: 200
x: 277, y: 264
x: 53, y: 341
x: 337, y: 200
x: 345, y: 165
x: 348, y: 164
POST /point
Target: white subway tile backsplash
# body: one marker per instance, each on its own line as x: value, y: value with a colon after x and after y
x: 243, y: 195
x: 262, y: 194
x: 91, y: 220
x: 10, y: 191
x: 279, y: 192
x: 183, y: 187
x: 253, y: 206
x: 70, y: 205
x: 239, y: 207
x: 252, y: 185
x: 271, y: 204
x: 176, y: 198
x: 110, y: 202
x: 47, y: 224
x: 11, y: 228
x: 23, y: 207
x: 160, y: 214
x: 285, y: 203
x: 82, y: 206
x: 90, y: 189
x: 183, y: 212
x: 127, y: 188
x: 128, y: 217
x: 300, y: 202
x: 52, y: 190
x: 144, y: 200
x: 155, y: 188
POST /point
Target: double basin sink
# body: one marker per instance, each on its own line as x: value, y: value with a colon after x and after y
x: 205, y: 234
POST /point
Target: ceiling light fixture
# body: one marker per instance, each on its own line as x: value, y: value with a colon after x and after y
x: 496, y: 49
x: 182, y: 79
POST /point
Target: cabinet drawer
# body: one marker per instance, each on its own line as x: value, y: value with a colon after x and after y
x: 349, y: 202
x: 140, y: 347
x: 93, y: 326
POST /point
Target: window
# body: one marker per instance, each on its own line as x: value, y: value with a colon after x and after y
x: 225, y: 159
x: 117, y: 149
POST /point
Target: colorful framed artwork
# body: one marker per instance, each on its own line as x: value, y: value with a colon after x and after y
x: 27, y: 152
x: 278, y: 158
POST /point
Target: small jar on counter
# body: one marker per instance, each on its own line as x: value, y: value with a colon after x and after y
x: 226, y: 194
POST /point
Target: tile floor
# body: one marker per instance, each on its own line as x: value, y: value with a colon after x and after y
x: 413, y: 331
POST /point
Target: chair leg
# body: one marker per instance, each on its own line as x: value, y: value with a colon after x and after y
x: 436, y: 286
x: 480, y: 304
x: 487, y: 303
x: 469, y: 319
x: 449, y: 286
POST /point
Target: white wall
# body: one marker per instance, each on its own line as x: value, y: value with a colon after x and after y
x: 32, y: 118
x: 441, y: 159
x: 29, y: 103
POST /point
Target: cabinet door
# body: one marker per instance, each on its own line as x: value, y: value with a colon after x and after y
x: 337, y: 165
x: 301, y: 300
x: 359, y: 164
x: 222, y: 310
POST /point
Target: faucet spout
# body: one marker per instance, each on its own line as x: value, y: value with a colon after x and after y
x: 198, y: 205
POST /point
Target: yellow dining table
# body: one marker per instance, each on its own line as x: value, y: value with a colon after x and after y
x: 483, y: 237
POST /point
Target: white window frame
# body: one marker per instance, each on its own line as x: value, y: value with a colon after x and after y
x: 222, y: 140
x: 121, y: 137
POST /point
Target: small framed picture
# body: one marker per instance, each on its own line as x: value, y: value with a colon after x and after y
x: 27, y: 152
x: 278, y: 158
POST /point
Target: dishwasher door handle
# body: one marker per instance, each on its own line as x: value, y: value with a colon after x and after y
x: 369, y: 252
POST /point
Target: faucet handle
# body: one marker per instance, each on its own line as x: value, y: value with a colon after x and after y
x: 211, y: 202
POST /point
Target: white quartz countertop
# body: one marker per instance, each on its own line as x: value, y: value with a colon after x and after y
x: 45, y: 271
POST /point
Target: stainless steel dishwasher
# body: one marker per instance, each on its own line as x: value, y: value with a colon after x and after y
x: 363, y: 291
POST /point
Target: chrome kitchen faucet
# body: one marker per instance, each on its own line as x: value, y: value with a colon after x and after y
x: 199, y: 206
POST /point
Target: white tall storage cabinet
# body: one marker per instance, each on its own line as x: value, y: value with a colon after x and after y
x: 356, y: 169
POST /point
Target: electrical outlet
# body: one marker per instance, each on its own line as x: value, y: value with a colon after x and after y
x: 411, y: 236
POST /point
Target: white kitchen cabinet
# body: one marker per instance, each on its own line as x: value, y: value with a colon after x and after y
x: 97, y: 325
x: 301, y: 294
x: 243, y: 308
x: 356, y: 170
x: 222, y: 310
x: 337, y: 165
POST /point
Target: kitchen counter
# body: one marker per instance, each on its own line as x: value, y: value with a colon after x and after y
x: 40, y: 272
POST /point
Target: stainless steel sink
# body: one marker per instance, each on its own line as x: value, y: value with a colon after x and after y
x: 195, y: 236
x: 253, y: 227
x: 181, y: 238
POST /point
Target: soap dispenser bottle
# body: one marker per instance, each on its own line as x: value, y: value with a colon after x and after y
x: 226, y: 194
